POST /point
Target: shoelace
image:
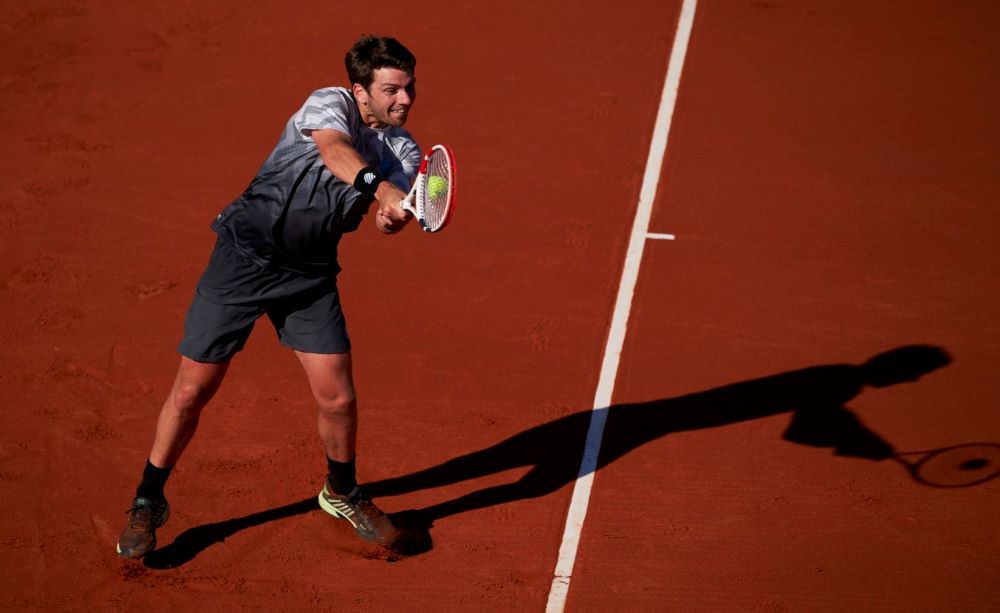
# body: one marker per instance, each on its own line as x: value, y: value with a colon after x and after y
x: 143, y: 515
x: 364, y: 509
x: 140, y: 516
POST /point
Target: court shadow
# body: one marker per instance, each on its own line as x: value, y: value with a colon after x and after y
x: 414, y: 537
x: 815, y: 397
x: 193, y: 541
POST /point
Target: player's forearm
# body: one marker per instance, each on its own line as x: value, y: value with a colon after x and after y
x: 339, y: 157
x: 344, y: 162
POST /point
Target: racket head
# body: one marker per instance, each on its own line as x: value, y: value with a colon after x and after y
x: 964, y: 465
x: 435, y: 197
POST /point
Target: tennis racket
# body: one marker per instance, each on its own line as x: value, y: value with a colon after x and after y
x: 432, y: 197
x: 963, y: 465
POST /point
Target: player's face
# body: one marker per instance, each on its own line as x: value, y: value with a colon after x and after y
x: 388, y: 100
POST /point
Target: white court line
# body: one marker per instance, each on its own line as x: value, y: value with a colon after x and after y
x: 658, y: 236
x: 623, y: 304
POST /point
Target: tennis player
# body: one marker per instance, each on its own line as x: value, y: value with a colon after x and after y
x: 276, y: 254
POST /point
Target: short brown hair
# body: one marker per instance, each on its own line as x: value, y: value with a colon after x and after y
x: 370, y: 53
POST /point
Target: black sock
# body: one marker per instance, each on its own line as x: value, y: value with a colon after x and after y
x: 153, y: 480
x: 342, y: 477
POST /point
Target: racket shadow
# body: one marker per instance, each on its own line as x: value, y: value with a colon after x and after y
x: 815, y: 397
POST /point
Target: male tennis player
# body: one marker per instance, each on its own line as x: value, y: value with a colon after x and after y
x: 276, y: 254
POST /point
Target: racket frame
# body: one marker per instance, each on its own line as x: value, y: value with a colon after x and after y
x: 414, y: 201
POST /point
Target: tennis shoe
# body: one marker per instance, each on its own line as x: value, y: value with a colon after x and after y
x: 367, y: 519
x: 139, y: 536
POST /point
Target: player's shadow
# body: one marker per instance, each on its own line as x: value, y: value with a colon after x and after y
x: 815, y: 397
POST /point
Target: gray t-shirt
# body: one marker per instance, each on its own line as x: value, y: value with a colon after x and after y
x: 294, y: 212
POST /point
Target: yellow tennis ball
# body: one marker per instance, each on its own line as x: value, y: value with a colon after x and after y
x: 437, y: 186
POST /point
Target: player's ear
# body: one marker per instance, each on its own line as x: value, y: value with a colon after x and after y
x: 360, y: 94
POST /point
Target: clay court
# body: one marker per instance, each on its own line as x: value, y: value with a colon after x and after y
x: 828, y: 194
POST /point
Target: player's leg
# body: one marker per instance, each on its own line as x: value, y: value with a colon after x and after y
x: 194, y: 386
x: 218, y: 323
x: 311, y: 322
x: 331, y: 381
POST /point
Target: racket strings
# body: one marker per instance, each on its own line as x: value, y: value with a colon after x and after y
x: 437, y: 190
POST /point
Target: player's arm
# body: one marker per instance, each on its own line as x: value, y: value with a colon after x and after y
x: 344, y: 162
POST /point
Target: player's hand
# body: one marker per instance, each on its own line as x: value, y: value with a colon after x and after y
x: 391, y: 217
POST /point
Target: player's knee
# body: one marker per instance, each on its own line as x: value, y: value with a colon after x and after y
x: 190, y: 397
x: 337, y: 405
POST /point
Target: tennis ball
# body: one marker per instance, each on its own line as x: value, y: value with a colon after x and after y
x: 437, y: 186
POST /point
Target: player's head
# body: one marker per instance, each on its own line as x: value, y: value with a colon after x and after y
x: 903, y: 365
x: 381, y: 73
x: 370, y: 53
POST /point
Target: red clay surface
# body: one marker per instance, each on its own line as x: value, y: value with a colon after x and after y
x: 832, y: 181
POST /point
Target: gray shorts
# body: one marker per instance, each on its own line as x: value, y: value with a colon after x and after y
x: 234, y: 292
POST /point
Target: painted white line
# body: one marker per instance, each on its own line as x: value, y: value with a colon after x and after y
x: 623, y: 304
x: 662, y: 237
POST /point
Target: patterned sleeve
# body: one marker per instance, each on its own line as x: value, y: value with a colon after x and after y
x: 407, y: 160
x: 331, y: 108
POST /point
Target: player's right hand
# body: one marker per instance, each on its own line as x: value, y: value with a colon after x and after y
x: 391, y: 217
